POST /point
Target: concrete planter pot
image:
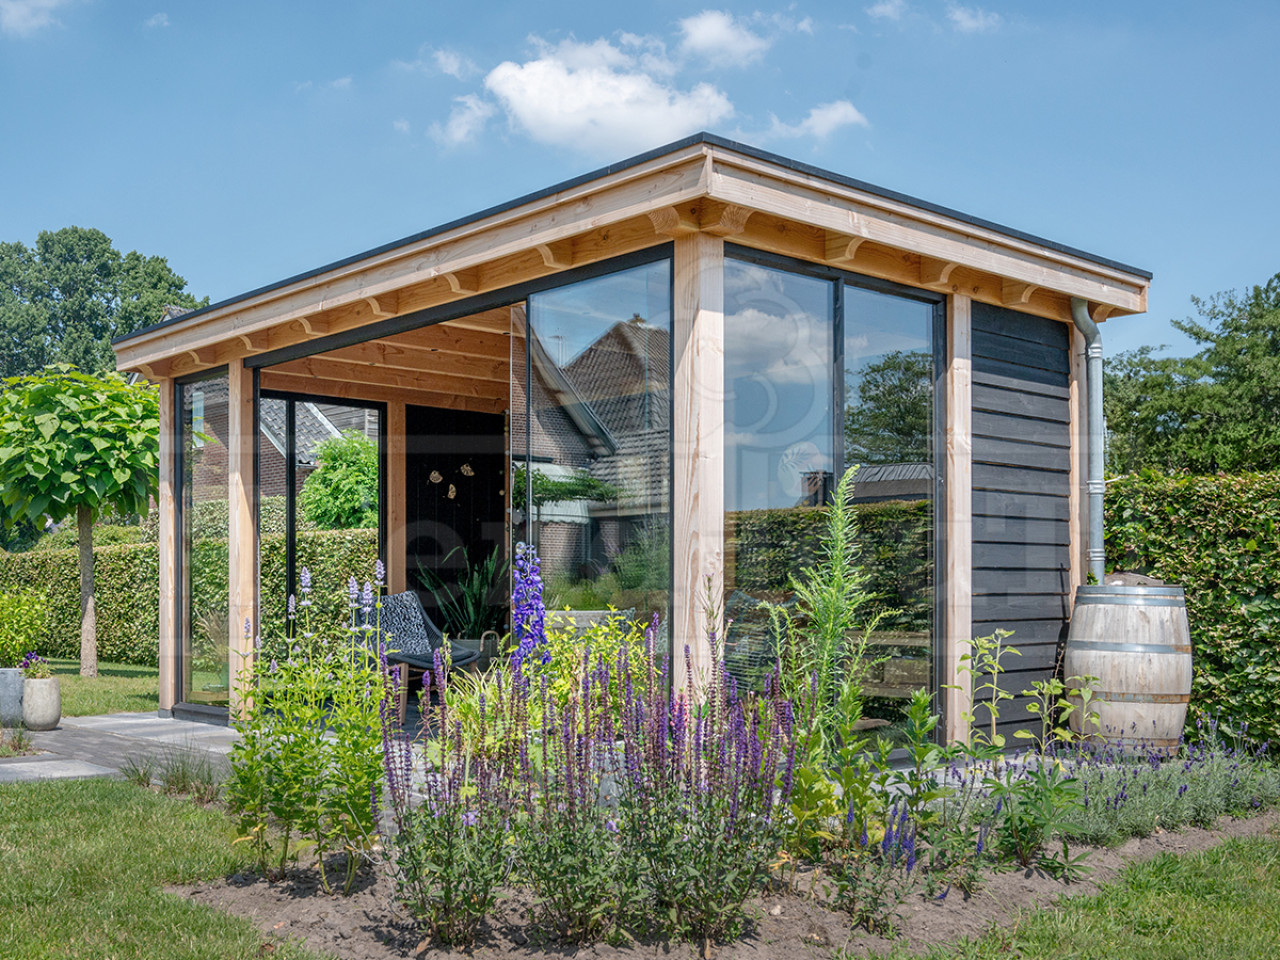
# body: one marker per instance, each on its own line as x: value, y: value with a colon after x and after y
x: 41, y: 704
x: 10, y: 697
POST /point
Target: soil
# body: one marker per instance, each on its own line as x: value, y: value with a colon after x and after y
x: 365, y: 925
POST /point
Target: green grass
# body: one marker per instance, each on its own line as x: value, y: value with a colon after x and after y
x: 82, y: 863
x: 1223, y: 904
x: 118, y: 688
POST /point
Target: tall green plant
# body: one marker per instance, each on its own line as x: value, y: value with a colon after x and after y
x: 473, y: 603
x: 825, y: 641
x: 24, y: 619
x: 78, y: 445
x: 342, y: 492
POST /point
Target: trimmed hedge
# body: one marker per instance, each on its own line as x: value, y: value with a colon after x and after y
x: 127, y: 580
x: 1219, y: 538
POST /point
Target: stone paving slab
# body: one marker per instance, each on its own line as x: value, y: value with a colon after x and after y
x: 48, y: 767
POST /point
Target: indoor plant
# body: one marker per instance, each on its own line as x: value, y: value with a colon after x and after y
x: 41, y: 696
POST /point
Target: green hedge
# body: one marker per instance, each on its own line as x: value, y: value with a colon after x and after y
x: 769, y: 546
x: 128, y: 587
x: 1219, y: 537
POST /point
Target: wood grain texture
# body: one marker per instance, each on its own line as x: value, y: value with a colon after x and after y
x: 170, y: 437
x: 242, y: 547
x: 397, y: 484
x: 698, y: 446
x: 958, y: 511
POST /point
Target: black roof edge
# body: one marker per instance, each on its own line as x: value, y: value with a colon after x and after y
x: 698, y: 138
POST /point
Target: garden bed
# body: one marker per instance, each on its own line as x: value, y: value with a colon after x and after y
x: 787, y: 927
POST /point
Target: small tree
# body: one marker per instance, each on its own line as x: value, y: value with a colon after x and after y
x: 342, y: 492
x: 75, y: 444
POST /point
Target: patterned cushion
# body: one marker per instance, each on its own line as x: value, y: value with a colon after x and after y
x: 405, y: 625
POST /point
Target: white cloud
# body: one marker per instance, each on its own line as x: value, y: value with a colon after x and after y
x: 888, y: 9
x: 972, y: 19
x: 400, y: 126
x: 24, y: 17
x: 822, y: 121
x: 157, y: 20
x: 718, y: 40
x: 466, y: 120
x: 342, y: 83
x: 598, y: 97
x: 454, y: 64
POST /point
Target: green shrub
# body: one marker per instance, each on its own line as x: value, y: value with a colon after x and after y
x: 24, y: 619
x: 1219, y: 537
x: 342, y: 492
x: 107, y: 535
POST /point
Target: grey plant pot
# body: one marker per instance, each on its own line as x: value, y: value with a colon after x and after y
x: 41, y: 703
x: 10, y: 697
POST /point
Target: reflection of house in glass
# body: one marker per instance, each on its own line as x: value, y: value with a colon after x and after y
x: 658, y: 373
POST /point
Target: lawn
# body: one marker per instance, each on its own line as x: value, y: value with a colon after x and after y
x: 1222, y: 904
x: 83, y: 862
x: 118, y: 688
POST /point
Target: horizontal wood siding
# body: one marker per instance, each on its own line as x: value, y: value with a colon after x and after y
x: 1021, y: 494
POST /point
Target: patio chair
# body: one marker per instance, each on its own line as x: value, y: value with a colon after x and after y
x: 412, y: 640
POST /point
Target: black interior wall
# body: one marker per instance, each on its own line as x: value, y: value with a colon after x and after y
x: 1021, y: 491
x: 455, y: 460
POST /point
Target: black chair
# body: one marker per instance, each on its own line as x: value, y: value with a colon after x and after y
x: 412, y: 641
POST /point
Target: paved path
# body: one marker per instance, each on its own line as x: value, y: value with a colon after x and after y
x: 102, y: 746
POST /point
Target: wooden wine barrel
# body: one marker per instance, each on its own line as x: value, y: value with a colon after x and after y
x: 1136, y: 642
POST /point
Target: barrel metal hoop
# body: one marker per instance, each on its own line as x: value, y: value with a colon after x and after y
x: 1115, y: 697
x: 1130, y: 601
x: 1110, y: 647
x: 1104, y: 589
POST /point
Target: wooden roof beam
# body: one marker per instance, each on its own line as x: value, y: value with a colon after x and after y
x: 841, y: 249
x: 558, y: 254
x: 935, y: 272
x: 1015, y: 294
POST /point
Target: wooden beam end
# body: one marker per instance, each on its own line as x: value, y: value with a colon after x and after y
x: 674, y: 221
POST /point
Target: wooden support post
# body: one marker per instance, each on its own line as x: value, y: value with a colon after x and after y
x: 170, y: 437
x: 397, y: 515
x: 957, y: 572
x: 1078, y: 509
x: 242, y: 530
x: 698, y: 444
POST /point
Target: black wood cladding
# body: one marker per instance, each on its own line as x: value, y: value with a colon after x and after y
x: 1021, y: 490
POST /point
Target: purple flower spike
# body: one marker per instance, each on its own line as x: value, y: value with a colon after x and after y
x: 380, y: 573
x: 304, y: 578
x: 353, y: 590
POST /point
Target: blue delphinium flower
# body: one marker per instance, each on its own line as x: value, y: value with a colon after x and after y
x: 529, y: 612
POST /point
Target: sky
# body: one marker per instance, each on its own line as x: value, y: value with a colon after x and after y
x: 249, y: 142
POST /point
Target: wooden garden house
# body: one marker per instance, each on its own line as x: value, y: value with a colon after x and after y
x: 656, y: 372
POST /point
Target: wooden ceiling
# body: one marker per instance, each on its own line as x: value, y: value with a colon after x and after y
x: 463, y: 364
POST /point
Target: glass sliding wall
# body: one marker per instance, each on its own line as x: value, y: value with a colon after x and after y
x: 823, y: 372
x: 204, y: 572
x: 320, y: 504
x: 591, y: 439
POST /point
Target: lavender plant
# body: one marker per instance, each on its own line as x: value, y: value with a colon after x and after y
x: 874, y: 873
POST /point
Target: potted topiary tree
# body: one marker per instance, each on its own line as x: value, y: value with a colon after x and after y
x: 41, y: 696
x: 22, y: 623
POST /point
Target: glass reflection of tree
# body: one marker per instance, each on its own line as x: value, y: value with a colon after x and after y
x: 892, y: 418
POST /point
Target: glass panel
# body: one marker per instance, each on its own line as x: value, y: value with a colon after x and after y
x: 206, y: 631
x: 275, y: 432
x: 337, y: 505
x: 779, y: 434
x: 888, y: 431
x: 596, y: 484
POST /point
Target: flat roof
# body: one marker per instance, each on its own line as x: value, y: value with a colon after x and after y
x: 697, y: 138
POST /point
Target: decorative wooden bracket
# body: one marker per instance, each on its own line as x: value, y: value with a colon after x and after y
x: 315, y: 326
x: 384, y: 304
x: 204, y: 356
x: 558, y: 255
x: 1016, y: 294
x: 842, y: 248
x: 674, y: 221
x: 1100, y: 311
x: 464, y: 281
x: 724, y: 219
x: 935, y: 272
x: 257, y: 342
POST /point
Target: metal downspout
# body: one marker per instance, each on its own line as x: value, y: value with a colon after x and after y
x: 1093, y: 384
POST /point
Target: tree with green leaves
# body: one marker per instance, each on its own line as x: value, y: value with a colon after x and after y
x: 1216, y: 411
x: 64, y: 300
x: 342, y: 492
x: 892, y: 419
x: 74, y: 444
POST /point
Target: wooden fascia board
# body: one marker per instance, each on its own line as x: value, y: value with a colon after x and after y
x: 673, y: 179
x: 857, y: 214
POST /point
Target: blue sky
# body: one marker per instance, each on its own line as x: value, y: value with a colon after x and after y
x: 247, y: 142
